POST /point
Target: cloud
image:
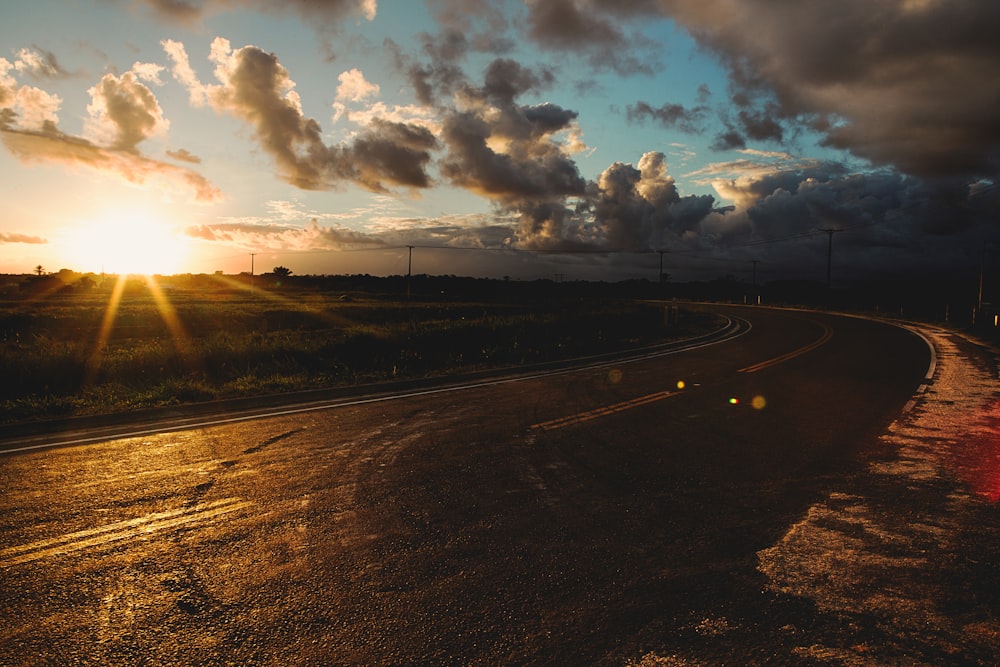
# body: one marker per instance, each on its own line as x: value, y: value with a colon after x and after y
x: 906, y: 84
x: 255, y: 88
x: 183, y: 155
x: 669, y: 115
x: 21, y: 238
x: 123, y: 113
x: 590, y: 28
x: 890, y: 222
x: 54, y: 146
x: 39, y: 64
x: 321, y: 13
x: 481, y: 24
x: 354, y: 87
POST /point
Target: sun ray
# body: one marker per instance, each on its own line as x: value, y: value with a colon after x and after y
x: 173, y: 323
x: 107, y: 323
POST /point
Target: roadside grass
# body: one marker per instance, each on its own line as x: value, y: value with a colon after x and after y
x: 76, y: 355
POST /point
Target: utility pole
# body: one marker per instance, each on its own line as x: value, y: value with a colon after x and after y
x: 755, y: 262
x: 829, y: 252
x: 661, y: 264
x: 409, y: 269
x: 252, y: 255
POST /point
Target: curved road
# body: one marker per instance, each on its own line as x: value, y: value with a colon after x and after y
x: 586, y: 517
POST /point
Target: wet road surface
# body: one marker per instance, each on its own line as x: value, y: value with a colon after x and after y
x: 800, y: 494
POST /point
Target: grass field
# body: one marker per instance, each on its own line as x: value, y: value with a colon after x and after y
x: 97, y: 353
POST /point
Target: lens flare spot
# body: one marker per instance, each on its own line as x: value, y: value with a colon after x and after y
x: 614, y: 376
x: 734, y: 401
x: 681, y: 384
x: 759, y: 402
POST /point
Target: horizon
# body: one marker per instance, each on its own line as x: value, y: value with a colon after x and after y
x: 332, y: 137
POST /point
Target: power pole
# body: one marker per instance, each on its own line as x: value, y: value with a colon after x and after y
x: 829, y: 252
x: 409, y: 269
x: 251, y: 271
x: 755, y: 262
x: 661, y: 264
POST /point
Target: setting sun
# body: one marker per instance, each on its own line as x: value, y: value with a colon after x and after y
x: 127, y: 242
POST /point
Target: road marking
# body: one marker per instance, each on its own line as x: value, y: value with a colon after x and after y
x: 827, y: 335
x: 603, y: 411
x: 115, y: 532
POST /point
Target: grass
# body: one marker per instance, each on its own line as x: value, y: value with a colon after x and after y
x: 55, y: 360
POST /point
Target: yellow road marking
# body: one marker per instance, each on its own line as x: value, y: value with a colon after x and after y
x: 603, y: 411
x: 827, y: 335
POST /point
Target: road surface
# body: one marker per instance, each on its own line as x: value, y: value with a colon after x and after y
x: 778, y: 498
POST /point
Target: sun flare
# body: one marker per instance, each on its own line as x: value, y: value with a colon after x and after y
x: 128, y: 242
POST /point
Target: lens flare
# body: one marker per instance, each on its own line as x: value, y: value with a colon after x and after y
x: 734, y: 401
x: 681, y: 384
x: 615, y: 376
x: 758, y: 402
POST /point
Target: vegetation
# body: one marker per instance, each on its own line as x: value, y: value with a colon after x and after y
x: 77, y: 348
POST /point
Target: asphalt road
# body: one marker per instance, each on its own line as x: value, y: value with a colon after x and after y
x: 626, y: 513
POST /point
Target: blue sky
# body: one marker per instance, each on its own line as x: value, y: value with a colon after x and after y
x: 532, y: 138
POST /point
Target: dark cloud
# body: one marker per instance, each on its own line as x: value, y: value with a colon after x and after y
x: 730, y: 139
x: 640, y: 208
x: 760, y: 125
x: 531, y: 167
x: 507, y: 79
x: 885, y: 221
x: 442, y: 75
x: 670, y: 115
x: 482, y: 23
x: 258, y: 90
x: 909, y: 84
x: 593, y: 29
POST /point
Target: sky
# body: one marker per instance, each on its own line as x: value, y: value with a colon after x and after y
x: 576, y: 139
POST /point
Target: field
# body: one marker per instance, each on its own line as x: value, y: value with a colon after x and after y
x: 94, y: 352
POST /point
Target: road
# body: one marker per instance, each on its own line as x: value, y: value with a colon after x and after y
x: 666, y: 510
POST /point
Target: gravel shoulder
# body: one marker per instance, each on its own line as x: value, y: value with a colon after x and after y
x: 908, y: 551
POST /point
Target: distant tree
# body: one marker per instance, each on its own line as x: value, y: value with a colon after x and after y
x: 40, y: 270
x: 282, y: 271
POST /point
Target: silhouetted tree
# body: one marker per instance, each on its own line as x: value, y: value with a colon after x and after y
x: 282, y: 271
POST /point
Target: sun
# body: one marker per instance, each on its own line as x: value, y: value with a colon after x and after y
x: 128, y: 242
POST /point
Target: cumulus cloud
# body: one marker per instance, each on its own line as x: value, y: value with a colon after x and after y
x: 639, y: 208
x: 123, y: 113
x: 255, y: 88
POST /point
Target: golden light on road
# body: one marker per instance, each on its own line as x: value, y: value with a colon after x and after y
x: 127, y: 242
